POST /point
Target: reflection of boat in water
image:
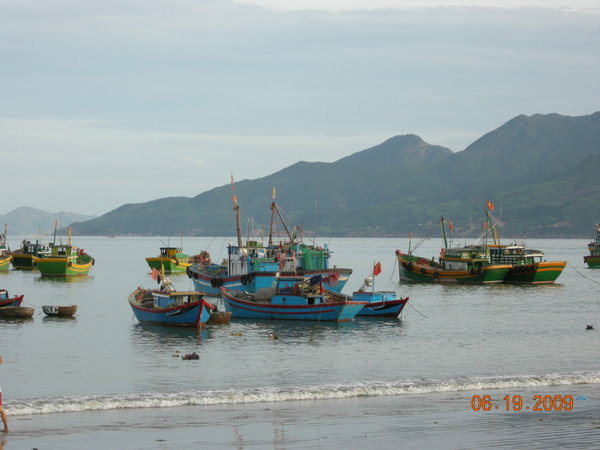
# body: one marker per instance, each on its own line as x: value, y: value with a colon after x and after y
x: 166, y: 306
x: 292, y: 298
x: 593, y: 259
x: 7, y: 300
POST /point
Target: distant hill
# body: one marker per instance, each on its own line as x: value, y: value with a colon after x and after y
x: 28, y: 221
x: 541, y: 171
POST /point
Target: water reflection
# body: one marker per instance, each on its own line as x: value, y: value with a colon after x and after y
x: 62, y: 280
x: 147, y: 338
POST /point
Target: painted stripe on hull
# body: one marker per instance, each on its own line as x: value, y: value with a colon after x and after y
x: 339, y: 312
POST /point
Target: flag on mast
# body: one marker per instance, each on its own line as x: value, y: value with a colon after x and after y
x: 377, y: 269
x: 490, y: 205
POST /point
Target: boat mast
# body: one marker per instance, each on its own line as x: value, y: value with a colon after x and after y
x: 275, y: 211
x: 443, y: 222
x: 236, y: 208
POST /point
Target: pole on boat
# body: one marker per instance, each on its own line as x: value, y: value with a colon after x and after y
x: 236, y: 208
x: 274, y: 211
x: 443, y: 222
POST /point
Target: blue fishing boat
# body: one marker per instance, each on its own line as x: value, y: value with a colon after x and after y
x: 166, y: 306
x: 252, y: 266
x: 380, y: 303
x: 292, y: 298
x: 7, y: 300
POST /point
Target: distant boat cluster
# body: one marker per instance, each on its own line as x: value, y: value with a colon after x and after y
x: 286, y: 278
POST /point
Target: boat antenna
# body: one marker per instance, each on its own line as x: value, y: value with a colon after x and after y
x: 236, y: 208
x: 409, y: 241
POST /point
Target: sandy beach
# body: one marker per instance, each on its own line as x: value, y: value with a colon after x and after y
x: 443, y: 420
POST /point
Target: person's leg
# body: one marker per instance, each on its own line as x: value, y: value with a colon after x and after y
x: 4, y: 419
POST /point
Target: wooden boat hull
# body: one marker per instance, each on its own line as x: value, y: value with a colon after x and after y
x: 16, y: 312
x: 5, y: 262
x: 59, y: 311
x: 593, y: 261
x: 247, y: 309
x: 169, y: 265
x: 420, y: 270
x: 194, y: 314
x: 64, y: 266
x: 545, y: 272
x: 210, y: 281
x: 380, y: 304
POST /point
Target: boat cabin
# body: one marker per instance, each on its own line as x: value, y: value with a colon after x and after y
x: 515, y: 254
x: 169, y: 299
x: 465, y: 258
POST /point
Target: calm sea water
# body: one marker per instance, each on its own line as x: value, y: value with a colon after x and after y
x: 450, y: 338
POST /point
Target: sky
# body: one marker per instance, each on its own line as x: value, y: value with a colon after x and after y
x: 112, y: 102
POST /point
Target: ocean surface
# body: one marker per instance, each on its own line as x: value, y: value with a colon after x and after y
x: 452, y: 342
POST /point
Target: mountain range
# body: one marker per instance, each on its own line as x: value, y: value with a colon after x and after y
x: 32, y: 221
x: 541, y: 172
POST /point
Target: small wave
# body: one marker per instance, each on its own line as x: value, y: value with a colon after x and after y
x: 282, y: 394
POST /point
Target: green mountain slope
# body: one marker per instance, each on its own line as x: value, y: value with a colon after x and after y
x: 540, y: 171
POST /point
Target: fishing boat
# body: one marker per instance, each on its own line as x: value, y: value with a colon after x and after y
x: 170, y: 260
x: 379, y: 303
x: 252, y: 266
x: 64, y: 261
x: 5, y: 254
x: 16, y: 312
x: 292, y: 298
x: 593, y: 259
x: 527, y: 265
x: 23, y: 257
x: 59, y: 311
x: 469, y: 264
x: 169, y: 307
x: 7, y: 300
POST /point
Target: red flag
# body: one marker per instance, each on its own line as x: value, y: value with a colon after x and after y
x: 154, y: 274
x: 377, y: 269
x: 490, y: 205
x: 450, y: 226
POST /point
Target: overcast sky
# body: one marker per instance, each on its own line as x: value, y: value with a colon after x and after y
x: 112, y: 102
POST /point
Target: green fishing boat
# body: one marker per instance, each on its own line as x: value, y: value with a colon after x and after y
x: 593, y: 259
x: 5, y: 254
x: 527, y: 265
x: 170, y: 260
x: 469, y: 264
x: 64, y: 261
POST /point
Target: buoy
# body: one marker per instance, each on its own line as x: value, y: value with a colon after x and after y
x: 273, y: 336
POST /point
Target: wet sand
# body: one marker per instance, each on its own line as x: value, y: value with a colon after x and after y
x: 407, y: 421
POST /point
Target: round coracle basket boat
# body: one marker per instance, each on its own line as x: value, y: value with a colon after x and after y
x: 60, y: 311
x: 16, y: 312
